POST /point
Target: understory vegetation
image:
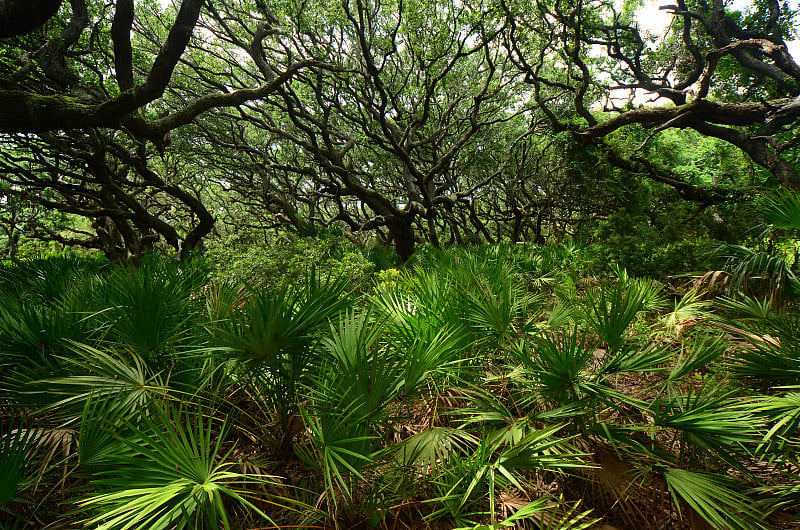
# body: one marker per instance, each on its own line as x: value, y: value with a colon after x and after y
x: 475, y: 387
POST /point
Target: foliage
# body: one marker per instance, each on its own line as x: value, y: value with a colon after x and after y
x: 169, y: 473
x: 461, y: 390
x: 287, y: 260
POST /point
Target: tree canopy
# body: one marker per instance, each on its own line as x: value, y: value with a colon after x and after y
x: 439, y: 121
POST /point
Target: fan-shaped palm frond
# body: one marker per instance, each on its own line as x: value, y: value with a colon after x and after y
x: 770, y: 360
x: 98, y: 374
x: 747, y: 307
x: 710, y: 422
x: 271, y: 341
x: 47, y: 280
x: 783, y: 414
x: 611, y: 310
x: 423, y: 350
x: 362, y: 375
x: 432, y: 447
x: 495, y: 465
x: 33, y: 336
x: 558, y: 363
x: 172, y: 473
x: 782, y: 210
x: 696, y: 355
x: 18, y: 448
x: 547, y: 513
x: 686, y: 312
x: 752, y: 271
x: 341, y: 445
x: 152, y: 309
x: 497, y: 307
x: 651, y: 358
x: 714, y: 497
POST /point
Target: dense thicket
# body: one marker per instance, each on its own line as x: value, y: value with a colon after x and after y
x: 474, y: 388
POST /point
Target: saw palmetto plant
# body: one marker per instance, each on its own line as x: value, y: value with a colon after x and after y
x: 467, y: 392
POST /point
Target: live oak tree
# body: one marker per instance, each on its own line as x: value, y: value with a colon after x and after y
x: 380, y: 142
x: 573, y: 53
x: 89, y: 101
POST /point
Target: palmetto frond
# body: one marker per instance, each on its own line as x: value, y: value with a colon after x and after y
x: 611, y: 310
x: 782, y: 210
x: 770, y: 360
x: 754, y: 271
x: 125, y: 377
x: 714, y: 497
x: 152, y: 308
x: 696, y: 355
x: 50, y: 279
x: 171, y: 473
x: 432, y: 447
x: 689, y: 310
x: 361, y: 376
x: 547, y: 513
x: 271, y: 338
x: 18, y: 448
x: 494, y: 465
x: 558, y: 364
x: 709, y: 421
x: 783, y: 414
x: 341, y: 445
x: 33, y: 336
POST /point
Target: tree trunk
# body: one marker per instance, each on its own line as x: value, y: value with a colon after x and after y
x: 432, y: 235
x: 538, y: 238
x: 402, y: 232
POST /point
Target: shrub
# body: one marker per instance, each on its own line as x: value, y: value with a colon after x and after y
x: 288, y: 260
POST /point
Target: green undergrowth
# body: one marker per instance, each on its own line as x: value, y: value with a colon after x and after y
x: 489, y: 387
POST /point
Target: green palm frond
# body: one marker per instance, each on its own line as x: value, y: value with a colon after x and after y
x: 752, y: 271
x: 273, y: 324
x: 771, y: 360
x: 151, y: 308
x: 611, y: 310
x: 696, y: 355
x: 558, y: 364
x: 714, y: 497
x: 362, y: 374
x: 497, y: 304
x: 783, y: 414
x: 423, y: 350
x: 18, y: 448
x: 782, y: 210
x: 97, y: 373
x: 432, y: 447
x: 33, y: 336
x: 547, y: 513
x: 651, y: 358
x: 340, y: 445
x: 747, y: 307
x: 495, y: 464
x: 48, y: 280
x: 709, y: 420
x: 561, y: 315
x: 172, y: 473
x: 103, y: 421
x: 690, y: 309
x: 271, y: 339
